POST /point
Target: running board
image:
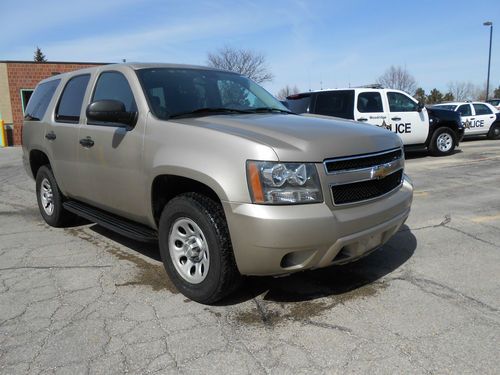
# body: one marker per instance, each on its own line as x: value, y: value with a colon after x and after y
x: 112, y: 222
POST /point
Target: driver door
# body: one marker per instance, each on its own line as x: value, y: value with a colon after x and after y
x: 406, y: 120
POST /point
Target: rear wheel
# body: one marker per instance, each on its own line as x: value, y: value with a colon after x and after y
x: 494, y: 132
x: 50, y: 199
x: 196, y: 248
x: 443, y: 142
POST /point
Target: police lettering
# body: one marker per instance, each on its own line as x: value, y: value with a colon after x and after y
x: 473, y: 124
x: 477, y: 124
x: 402, y: 128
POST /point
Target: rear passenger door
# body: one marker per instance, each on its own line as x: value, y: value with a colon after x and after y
x: 62, y: 134
x: 405, y: 118
x: 110, y: 166
x: 483, y: 118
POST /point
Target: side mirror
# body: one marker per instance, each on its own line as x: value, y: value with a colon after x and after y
x: 110, y: 111
x: 420, y: 106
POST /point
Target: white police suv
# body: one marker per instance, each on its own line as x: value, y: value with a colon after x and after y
x: 437, y: 130
x: 478, y: 118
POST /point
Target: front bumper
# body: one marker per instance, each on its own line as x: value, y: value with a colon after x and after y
x: 274, y: 240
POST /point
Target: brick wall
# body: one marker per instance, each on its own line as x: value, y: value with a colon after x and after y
x: 26, y: 75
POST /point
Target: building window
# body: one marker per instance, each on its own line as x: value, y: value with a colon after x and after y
x: 25, y: 97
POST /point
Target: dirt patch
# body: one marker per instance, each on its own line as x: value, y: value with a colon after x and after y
x: 148, y: 274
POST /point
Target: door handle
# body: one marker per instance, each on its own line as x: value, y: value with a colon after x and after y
x: 362, y: 119
x: 472, y: 118
x: 396, y: 118
x: 87, y: 142
x: 50, y: 136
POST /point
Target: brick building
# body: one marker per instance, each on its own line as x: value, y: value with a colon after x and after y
x: 17, y: 82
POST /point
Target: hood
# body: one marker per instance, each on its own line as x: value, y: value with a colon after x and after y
x: 443, y: 114
x: 302, y: 138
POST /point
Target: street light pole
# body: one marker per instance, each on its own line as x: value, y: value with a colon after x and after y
x: 490, y: 24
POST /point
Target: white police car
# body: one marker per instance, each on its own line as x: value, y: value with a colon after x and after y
x: 437, y: 130
x: 478, y: 118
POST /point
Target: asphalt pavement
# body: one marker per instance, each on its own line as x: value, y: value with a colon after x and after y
x: 84, y: 300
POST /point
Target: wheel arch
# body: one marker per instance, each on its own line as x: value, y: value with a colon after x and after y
x: 37, y: 158
x: 166, y: 186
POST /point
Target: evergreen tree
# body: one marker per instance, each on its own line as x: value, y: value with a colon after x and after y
x: 434, y: 97
x: 39, y: 56
x: 496, y: 93
x: 448, y: 97
x: 420, y: 95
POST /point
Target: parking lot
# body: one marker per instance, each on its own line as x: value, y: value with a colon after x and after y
x: 85, y: 300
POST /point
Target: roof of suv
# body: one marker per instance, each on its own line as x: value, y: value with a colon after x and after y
x: 307, y: 93
x: 134, y: 66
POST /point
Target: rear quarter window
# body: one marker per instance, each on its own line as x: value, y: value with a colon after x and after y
x: 40, y: 99
x: 335, y: 103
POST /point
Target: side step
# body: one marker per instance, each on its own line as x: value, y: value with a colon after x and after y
x: 112, y: 222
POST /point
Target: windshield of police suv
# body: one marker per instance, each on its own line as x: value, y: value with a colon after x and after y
x: 177, y: 92
x: 449, y: 107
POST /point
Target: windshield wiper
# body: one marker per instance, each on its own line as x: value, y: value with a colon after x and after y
x: 269, y: 109
x: 209, y: 110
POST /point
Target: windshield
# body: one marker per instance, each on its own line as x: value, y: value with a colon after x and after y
x: 175, y: 92
x: 449, y: 107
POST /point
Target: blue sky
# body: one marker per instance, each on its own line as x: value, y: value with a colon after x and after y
x: 306, y: 43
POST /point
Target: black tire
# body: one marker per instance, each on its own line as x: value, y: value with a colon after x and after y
x: 494, y: 132
x: 57, y: 216
x: 222, y: 277
x: 443, y: 142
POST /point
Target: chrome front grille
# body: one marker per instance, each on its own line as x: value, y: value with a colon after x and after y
x: 364, y: 177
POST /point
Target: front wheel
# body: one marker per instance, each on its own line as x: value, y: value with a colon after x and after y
x: 196, y: 249
x: 494, y: 132
x: 443, y: 142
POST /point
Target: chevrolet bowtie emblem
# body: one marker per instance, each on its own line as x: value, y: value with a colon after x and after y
x: 381, y: 171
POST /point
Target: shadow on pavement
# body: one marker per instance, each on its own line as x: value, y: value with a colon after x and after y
x: 349, y: 279
x: 335, y: 280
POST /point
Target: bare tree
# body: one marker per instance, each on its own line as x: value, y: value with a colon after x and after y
x: 286, y: 91
x: 398, y: 78
x: 246, y: 62
x: 462, y: 90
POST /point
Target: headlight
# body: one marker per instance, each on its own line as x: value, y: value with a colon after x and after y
x: 283, y: 183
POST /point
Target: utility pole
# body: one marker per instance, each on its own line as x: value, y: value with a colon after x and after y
x: 490, y: 24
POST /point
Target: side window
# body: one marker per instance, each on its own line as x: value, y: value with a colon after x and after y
x: 401, y: 103
x: 482, y: 109
x: 70, y: 103
x: 335, y: 103
x: 39, y: 101
x: 114, y: 86
x: 464, y: 110
x: 300, y: 104
x: 370, y: 102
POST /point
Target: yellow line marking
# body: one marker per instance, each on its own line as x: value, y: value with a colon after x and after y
x: 484, y: 219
